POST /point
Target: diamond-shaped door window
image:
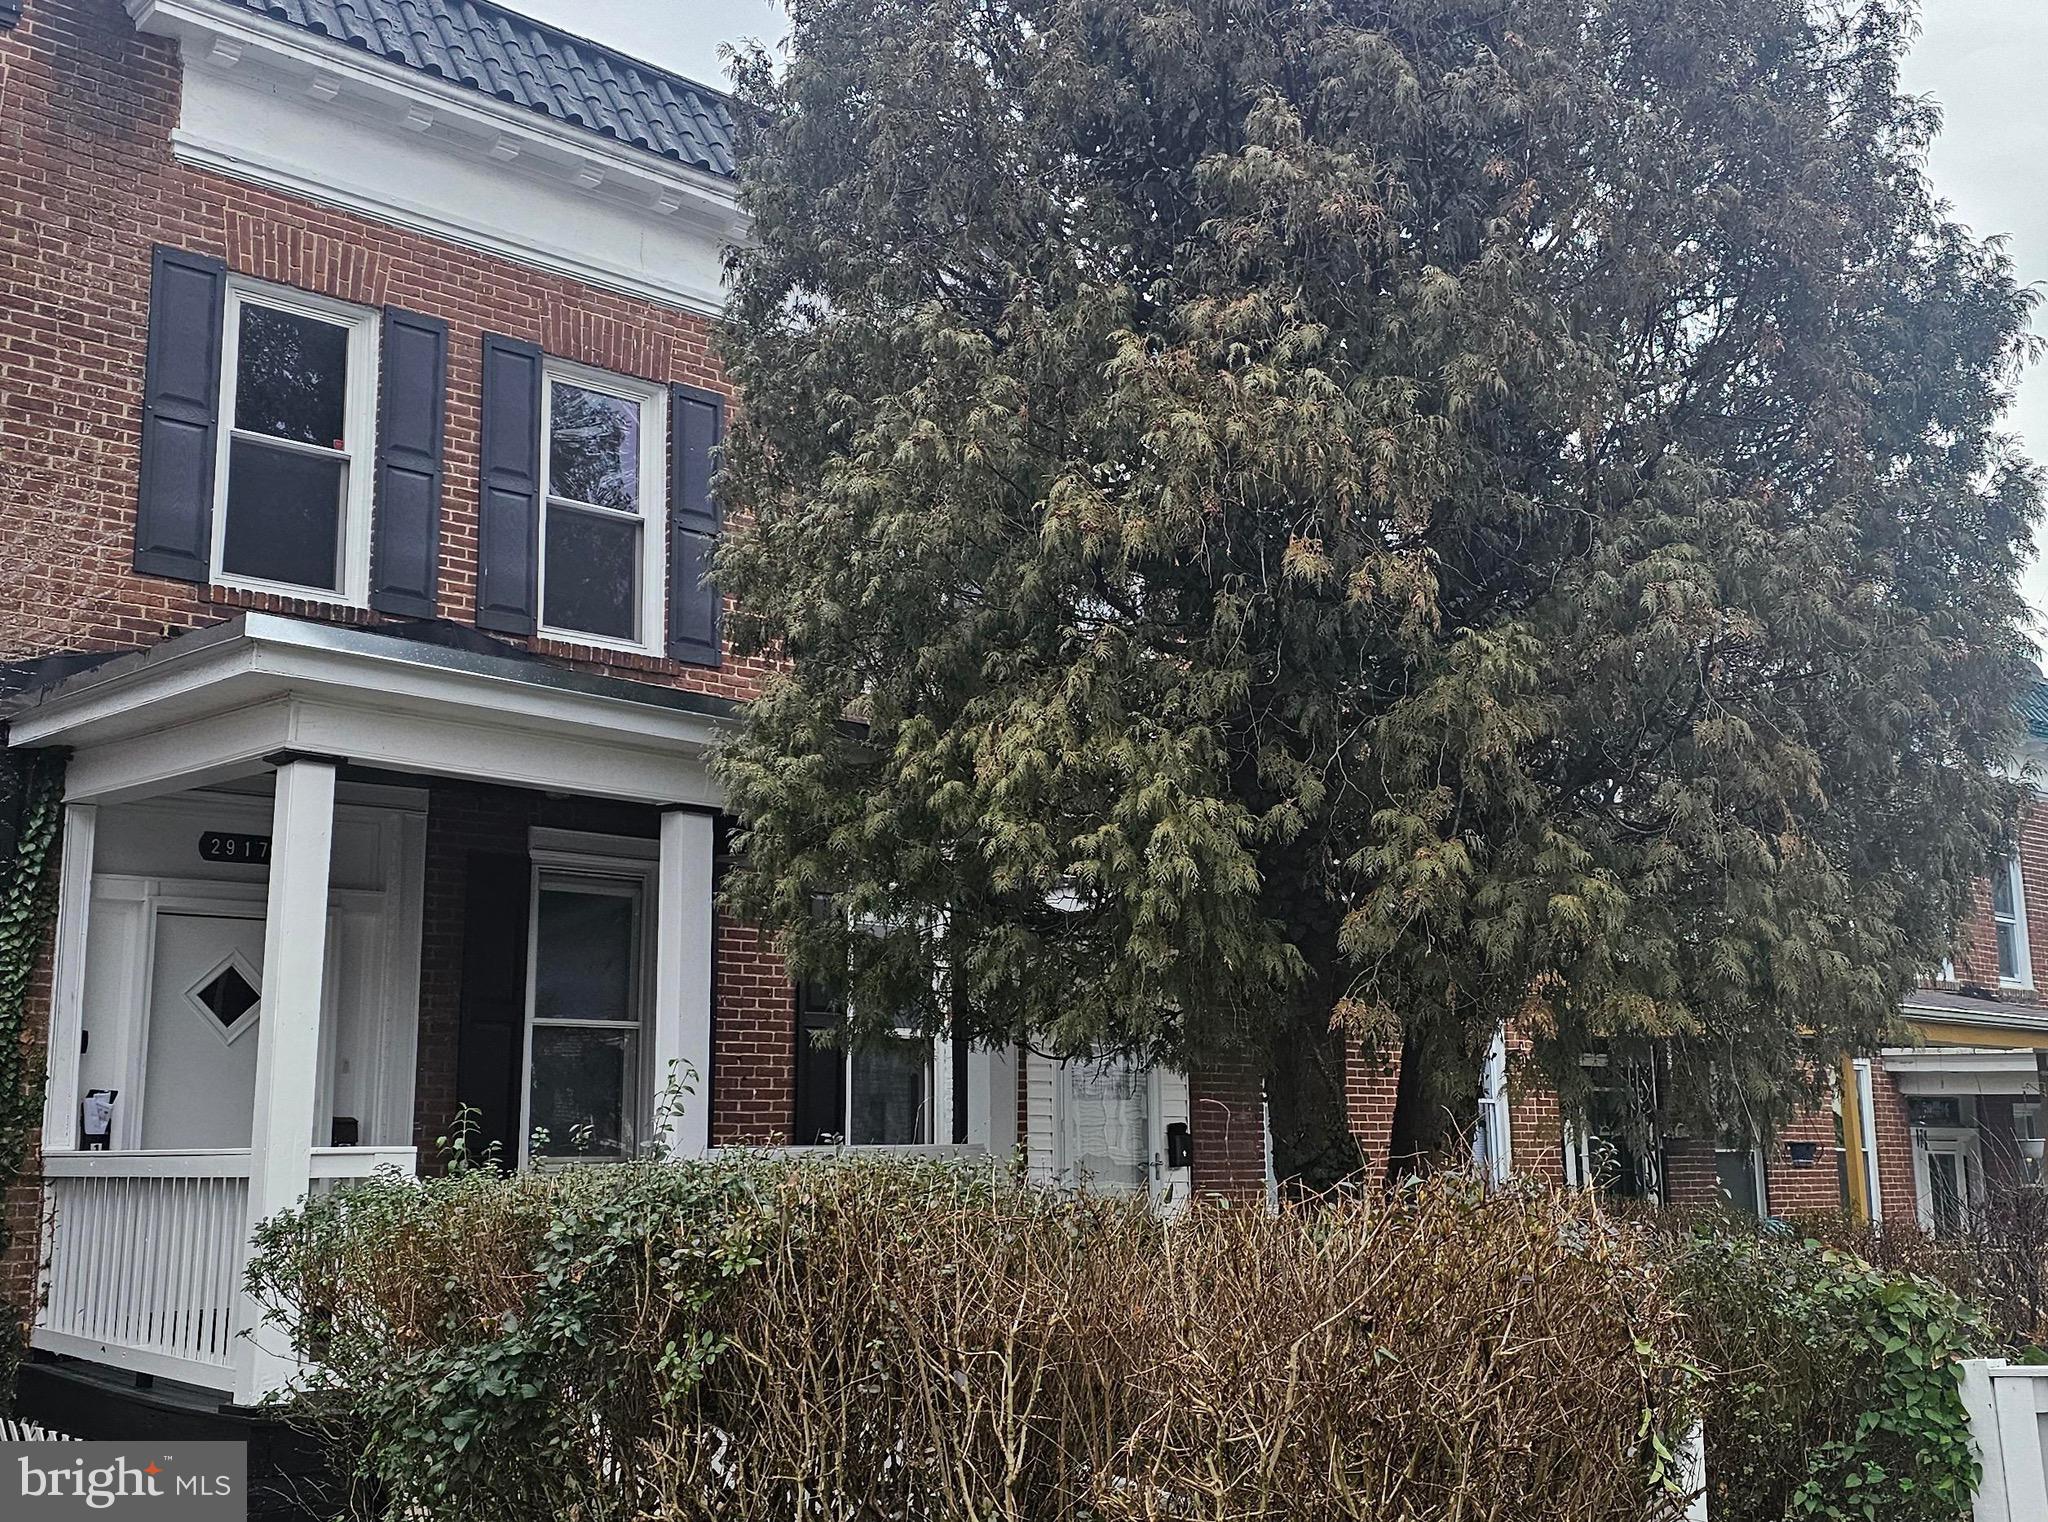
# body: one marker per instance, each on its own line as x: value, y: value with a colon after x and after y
x: 228, y: 994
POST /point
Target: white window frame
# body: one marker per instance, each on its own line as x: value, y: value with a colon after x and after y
x: 652, y: 400
x: 638, y: 875
x: 359, y: 424
x: 2016, y: 879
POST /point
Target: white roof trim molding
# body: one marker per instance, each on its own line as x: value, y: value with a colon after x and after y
x: 279, y: 106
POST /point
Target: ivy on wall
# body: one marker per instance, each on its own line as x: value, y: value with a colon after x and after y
x: 31, y: 819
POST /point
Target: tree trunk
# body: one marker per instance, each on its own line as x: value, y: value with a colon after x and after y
x: 1436, y: 1101
x: 1313, y: 1148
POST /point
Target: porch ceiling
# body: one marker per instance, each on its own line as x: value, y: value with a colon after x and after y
x: 1963, y: 1070
x: 215, y: 703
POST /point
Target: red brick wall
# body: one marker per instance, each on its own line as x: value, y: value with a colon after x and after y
x: 87, y: 186
x: 1806, y: 1189
x: 754, y: 1057
x: 1976, y: 957
x: 1691, y: 1180
x: 1370, y: 1084
x: 1227, y: 1104
x: 1894, y: 1149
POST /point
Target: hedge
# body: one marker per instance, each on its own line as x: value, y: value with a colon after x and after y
x: 755, y: 1338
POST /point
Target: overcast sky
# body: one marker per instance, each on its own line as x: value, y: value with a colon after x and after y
x: 1984, y: 60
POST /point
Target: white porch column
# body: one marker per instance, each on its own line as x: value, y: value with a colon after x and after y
x: 67, y: 977
x: 288, y: 1039
x: 683, y: 951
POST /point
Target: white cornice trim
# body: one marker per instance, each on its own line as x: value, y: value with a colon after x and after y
x: 230, y: 160
x: 466, y: 126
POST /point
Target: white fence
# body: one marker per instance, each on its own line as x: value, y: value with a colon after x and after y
x: 145, y: 1252
x: 2008, y: 1405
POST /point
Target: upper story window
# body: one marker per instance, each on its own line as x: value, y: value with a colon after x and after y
x: 602, y: 549
x: 293, y: 483
x: 2009, y: 924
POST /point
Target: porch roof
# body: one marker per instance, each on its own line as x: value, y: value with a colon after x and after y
x: 1950, y: 1017
x: 216, y: 703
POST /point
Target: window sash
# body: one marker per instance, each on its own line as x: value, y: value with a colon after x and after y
x: 2009, y: 925
x: 926, y: 1095
x: 359, y: 428
x: 594, y: 881
x: 651, y: 560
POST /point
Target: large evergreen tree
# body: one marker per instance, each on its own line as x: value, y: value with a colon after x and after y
x: 1313, y: 521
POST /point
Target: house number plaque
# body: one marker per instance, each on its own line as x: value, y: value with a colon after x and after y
x: 245, y: 850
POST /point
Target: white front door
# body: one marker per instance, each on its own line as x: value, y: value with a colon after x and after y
x: 1949, y: 1179
x: 1115, y: 1126
x: 1105, y: 1126
x: 200, y: 1059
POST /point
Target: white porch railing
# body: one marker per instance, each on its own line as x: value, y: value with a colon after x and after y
x: 145, y: 1252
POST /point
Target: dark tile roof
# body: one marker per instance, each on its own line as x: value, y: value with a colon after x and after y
x: 553, y: 72
x: 2033, y: 710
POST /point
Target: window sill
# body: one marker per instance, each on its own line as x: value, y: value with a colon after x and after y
x: 316, y: 597
x: 596, y: 646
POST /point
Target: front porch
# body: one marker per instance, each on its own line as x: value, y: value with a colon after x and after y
x: 1937, y: 1131
x: 278, y: 966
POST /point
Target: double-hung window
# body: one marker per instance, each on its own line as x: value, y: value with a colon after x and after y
x: 880, y: 1094
x: 603, y: 546
x: 2009, y: 925
x: 293, y: 482
x: 586, y: 1003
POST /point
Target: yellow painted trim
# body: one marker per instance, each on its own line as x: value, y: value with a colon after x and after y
x: 1852, y: 1141
x: 1944, y: 1033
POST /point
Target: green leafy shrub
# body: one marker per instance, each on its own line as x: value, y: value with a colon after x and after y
x: 1833, y: 1388
x: 762, y: 1338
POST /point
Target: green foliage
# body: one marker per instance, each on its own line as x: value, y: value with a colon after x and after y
x: 31, y: 819
x: 1428, y: 513
x: 1833, y: 1393
x: 757, y: 1339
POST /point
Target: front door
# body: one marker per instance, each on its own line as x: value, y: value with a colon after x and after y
x: 1106, y: 1125
x: 1949, y: 1179
x: 204, y: 1006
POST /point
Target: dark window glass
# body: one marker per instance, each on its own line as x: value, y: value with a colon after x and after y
x: 1735, y: 1174
x: 580, y: 1080
x: 291, y: 377
x: 594, y: 448
x: 592, y: 573
x: 584, y: 957
x: 284, y: 515
x: 229, y: 996
x: 887, y: 1107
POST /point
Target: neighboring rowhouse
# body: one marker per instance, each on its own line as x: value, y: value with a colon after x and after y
x: 1922, y: 1134
x: 357, y: 411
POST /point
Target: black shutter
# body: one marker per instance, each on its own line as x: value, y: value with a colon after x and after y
x: 820, y: 1073
x: 180, y: 416
x: 508, y: 535
x: 490, y: 1041
x: 697, y: 426
x: 405, y: 556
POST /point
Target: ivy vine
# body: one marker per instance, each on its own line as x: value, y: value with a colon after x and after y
x: 31, y: 821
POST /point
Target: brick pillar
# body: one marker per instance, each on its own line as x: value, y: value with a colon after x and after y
x: 1370, y: 1084
x: 1227, y: 1101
